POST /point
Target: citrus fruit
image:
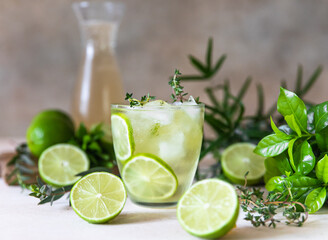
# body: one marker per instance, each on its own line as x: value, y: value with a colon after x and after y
x: 148, y: 177
x: 209, y: 209
x: 59, y: 164
x: 48, y: 128
x: 238, y: 159
x: 122, y: 130
x: 98, y: 197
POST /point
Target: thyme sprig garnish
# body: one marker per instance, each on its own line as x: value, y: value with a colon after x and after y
x: 135, y: 102
x: 178, y: 93
x: 262, y: 211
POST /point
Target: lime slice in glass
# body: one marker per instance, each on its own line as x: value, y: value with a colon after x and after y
x: 123, y: 136
x: 149, y: 178
x: 238, y: 159
x: 209, y: 209
x: 98, y: 197
x: 59, y: 164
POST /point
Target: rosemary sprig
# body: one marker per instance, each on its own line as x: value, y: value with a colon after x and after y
x: 262, y: 211
x: 226, y: 115
x: 135, y: 102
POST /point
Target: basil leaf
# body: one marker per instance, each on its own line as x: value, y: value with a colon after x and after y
x: 290, y: 120
x: 277, y: 166
x: 310, y: 120
x: 272, y: 145
x: 316, y: 198
x: 278, y: 132
x: 275, y: 184
x: 321, y: 116
x: 271, y: 169
x: 322, y: 139
x: 300, y: 185
x: 290, y: 104
x: 290, y: 153
x: 321, y: 170
x: 304, y: 158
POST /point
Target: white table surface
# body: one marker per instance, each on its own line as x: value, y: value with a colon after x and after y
x: 22, y: 218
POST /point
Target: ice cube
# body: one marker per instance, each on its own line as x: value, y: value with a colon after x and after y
x: 191, y: 111
x: 171, y: 150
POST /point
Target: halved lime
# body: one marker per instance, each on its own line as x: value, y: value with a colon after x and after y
x: 238, y: 159
x: 98, y: 197
x: 209, y: 209
x: 123, y: 136
x: 148, y: 177
x: 59, y: 164
x: 156, y: 103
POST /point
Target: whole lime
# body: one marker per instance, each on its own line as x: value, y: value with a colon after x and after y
x: 48, y: 128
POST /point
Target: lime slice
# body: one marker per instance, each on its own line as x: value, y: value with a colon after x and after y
x: 149, y: 178
x: 123, y: 136
x: 238, y: 159
x: 98, y: 197
x: 59, y: 164
x: 209, y: 209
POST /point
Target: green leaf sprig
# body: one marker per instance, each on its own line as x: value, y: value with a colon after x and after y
x: 24, y: 167
x: 48, y: 194
x: 178, y: 93
x: 262, y: 211
x: 99, y: 151
x: 297, y: 152
x: 135, y: 102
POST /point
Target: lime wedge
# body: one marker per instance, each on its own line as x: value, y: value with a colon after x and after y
x: 59, y: 164
x: 98, y: 197
x: 238, y: 159
x: 123, y: 136
x: 149, y: 178
x: 209, y: 209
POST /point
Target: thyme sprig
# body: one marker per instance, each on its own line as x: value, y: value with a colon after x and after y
x: 262, y: 211
x: 178, y: 93
x: 135, y: 102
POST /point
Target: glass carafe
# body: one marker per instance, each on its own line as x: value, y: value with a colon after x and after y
x: 99, y: 82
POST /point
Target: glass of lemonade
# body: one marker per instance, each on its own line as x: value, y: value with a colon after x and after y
x: 157, y: 148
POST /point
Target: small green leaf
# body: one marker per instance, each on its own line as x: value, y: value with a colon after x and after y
x: 290, y: 104
x: 278, y: 132
x: 290, y: 153
x: 304, y: 158
x: 321, y: 116
x: 271, y: 146
x: 315, y: 200
x: 321, y: 169
x: 198, y: 64
x: 290, y: 120
x: 275, y: 184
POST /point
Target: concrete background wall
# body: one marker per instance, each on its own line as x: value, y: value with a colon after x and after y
x: 40, y: 49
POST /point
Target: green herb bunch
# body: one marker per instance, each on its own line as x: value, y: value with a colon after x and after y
x: 263, y: 210
x: 297, y: 151
x: 225, y: 114
x: 99, y: 151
